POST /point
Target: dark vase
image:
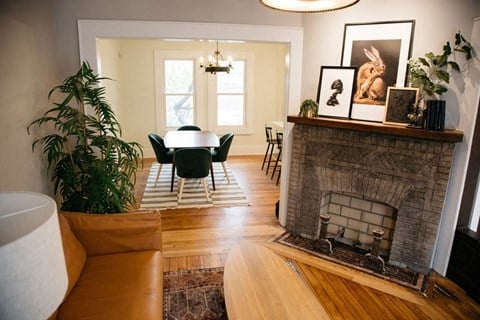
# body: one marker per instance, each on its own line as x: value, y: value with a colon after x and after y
x: 434, y: 116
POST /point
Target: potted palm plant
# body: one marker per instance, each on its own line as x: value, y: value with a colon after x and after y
x: 431, y: 74
x: 93, y: 168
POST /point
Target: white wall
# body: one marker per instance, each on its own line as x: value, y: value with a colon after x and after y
x: 27, y: 64
x: 476, y: 204
x: 436, y: 22
x: 109, y: 67
x: 67, y: 12
x: 132, y: 70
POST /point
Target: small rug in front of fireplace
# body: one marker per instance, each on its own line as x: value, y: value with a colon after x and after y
x: 348, y: 256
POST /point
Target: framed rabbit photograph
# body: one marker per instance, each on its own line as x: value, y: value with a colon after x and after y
x: 335, y: 91
x: 380, y: 51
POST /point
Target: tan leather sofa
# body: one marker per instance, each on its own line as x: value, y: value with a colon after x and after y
x: 114, y: 266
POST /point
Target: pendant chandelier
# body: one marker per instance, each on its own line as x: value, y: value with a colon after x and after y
x: 216, y: 63
x: 308, y: 5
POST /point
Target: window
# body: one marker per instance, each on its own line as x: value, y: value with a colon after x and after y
x: 231, y: 96
x: 186, y: 95
x: 179, y: 98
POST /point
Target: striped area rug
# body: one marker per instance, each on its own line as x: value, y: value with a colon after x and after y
x: 159, y: 196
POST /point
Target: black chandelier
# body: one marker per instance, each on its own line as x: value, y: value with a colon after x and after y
x: 216, y: 63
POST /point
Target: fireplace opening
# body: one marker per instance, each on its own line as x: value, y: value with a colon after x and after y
x: 354, y: 219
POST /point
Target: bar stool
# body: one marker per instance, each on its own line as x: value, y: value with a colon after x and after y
x: 271, y: 142
x: 279, y: 157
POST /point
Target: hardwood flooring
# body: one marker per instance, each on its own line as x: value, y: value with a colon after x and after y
x: 202, y: 238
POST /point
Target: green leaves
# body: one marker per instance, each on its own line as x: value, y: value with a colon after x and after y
x: 93, y: 169
x: 431, y: 72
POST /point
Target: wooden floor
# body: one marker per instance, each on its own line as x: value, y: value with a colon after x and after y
x: 202, y: 238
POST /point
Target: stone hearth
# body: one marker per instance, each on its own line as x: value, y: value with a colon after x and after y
x: 407, y: 171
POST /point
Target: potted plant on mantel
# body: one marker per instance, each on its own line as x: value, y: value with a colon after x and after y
x: 431, y: 75
x: 308, y: 108
x: 93, y: 168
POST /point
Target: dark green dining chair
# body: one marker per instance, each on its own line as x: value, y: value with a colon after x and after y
x: 189, y: 127
x: 220, y: 153
x: 193, y: 163
x: 163, y: 154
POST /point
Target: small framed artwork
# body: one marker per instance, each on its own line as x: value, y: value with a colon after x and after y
x: 380, y: 51
x: 399, y: 104
x: 335, y: 90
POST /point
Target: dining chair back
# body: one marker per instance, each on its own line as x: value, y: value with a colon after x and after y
x: 278, y: 159
x: 220, y: 153
x: 271, y: 143
x: 189, y: 127
x: 162, y: 154
x: 193, y: 163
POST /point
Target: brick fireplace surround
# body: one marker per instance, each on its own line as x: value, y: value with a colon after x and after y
x: 407, y: 169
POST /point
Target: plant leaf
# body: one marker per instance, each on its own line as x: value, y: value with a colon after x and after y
x: 443, y: 75
x: 454, y: 65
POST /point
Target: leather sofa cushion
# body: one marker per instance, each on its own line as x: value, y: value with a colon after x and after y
x: 117, y: 286
x: 116, y: 233
x: 74, y: 253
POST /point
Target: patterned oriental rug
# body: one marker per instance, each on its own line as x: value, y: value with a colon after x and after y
x: 159, y: 196
x: 194, y: 295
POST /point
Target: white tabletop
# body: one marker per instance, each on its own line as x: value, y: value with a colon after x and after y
x: 191, y: 139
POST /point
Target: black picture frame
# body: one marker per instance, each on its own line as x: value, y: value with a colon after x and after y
x: 335, y: 91
x: 400, y: 102
x: 380, y: 51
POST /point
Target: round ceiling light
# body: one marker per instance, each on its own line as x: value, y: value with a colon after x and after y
x: 308, y: 5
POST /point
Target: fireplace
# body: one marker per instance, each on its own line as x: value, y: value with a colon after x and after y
x: 353, y: 217
x: 369, y: 176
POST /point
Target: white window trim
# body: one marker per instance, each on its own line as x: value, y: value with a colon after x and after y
x: 249, y: 95
x: 199, y: 86
x: 205, y: 116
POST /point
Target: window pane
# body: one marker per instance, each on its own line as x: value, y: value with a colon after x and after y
x: 178, y: 76
x: 232, y: 82
x: 179, y: 110
x: 230, y: 110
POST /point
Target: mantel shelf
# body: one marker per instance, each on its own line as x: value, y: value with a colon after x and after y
x: 452, y: 136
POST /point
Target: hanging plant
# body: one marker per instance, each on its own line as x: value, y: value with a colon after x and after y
x: 93, y: 169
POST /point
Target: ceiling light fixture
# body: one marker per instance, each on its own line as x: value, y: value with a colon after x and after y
x: 308, y: 5
x: 216, y: 63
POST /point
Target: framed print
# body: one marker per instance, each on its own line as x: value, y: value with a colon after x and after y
x: 399, y: 104
x: 335, y: 90
x: 380, y: 51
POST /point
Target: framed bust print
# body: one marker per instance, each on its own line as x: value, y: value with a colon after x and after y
x: 335, y: 89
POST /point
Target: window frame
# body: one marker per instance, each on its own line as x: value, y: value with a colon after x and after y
x: 248, y: 94
x: 204, y: 95
x: 198, y: 87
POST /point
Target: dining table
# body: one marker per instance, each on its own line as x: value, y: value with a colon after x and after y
x: 190, y: 139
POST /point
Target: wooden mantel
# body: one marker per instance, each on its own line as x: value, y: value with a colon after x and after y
x: 452, y: 136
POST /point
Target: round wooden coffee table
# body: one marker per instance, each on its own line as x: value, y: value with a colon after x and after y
x: 259, y: 284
